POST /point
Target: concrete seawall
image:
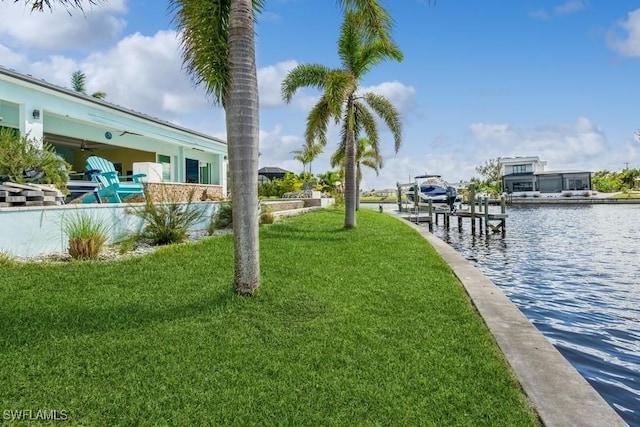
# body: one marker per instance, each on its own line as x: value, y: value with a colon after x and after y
x: 560, y: 395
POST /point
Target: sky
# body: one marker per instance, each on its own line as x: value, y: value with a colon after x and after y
x: 480, y: 79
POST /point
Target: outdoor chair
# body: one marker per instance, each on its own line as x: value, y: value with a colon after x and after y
x: 112, y: 188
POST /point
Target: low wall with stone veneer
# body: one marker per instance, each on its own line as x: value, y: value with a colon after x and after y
x: 179, y: 192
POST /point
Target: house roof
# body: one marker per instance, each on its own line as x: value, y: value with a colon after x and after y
x: 560, y: 172
x: 272, y: 169
x: 44, y: 84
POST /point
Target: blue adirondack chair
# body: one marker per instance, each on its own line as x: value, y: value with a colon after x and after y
x: 112, y: 188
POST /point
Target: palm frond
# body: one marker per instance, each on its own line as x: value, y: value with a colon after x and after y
x: 304, y: 75
x: 367, y: 122
x: 340, y: 87
x: 39, y: 5
x: 388, y: 113
x: 375, y: 18
x: 317, y: 123
x: 203, y: 26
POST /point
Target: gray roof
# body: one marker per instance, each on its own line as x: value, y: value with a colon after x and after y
x: 272, y: 169
x: 559, y: 172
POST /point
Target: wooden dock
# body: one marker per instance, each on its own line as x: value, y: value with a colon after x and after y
x: 477, y: 212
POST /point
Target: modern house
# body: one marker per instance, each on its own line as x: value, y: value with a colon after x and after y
x: 523, y: 176
x: 78, y: 125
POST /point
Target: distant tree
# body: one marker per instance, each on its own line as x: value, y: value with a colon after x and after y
x: 78, y: 80
x: 329, y: 180
x: 308, y: 154
x: 605, y: 181
x: 491, y: 170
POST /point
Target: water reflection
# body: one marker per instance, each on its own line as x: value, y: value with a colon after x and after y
x: 572, y: 270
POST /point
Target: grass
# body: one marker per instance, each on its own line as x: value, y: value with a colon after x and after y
x: 379, y: 199
x: 628, y: 195
x: 361, y: 327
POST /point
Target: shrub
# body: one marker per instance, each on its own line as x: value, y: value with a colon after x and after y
x: 266, y: 215
x: 22, y: 162
x: 223, y: 218
x: 169, y: 221
x: 87, y: 236
x: 6, y: 259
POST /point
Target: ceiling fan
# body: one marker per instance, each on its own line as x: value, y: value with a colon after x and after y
x: 85, y: 147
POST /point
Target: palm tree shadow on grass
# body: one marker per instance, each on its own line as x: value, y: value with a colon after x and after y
x: 23, y: 327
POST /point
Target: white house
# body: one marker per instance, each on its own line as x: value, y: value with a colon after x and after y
x: 78, y: 125
x: 526, y: 175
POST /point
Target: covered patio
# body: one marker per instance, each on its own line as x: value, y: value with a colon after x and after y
x: 174, y: 159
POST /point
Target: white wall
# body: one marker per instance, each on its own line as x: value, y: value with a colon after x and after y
x: 31, y: 231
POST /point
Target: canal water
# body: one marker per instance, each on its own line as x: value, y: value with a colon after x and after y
x: 574, y: 271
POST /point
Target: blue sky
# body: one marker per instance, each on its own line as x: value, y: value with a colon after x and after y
x: 558, y: 79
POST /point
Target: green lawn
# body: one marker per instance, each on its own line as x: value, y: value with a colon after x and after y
x: 361, y: 327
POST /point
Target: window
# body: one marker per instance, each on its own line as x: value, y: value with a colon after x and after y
x: 192, y: 171
x: 523, y: 186
x: 205, y: 173
x: 576, y: 184
x: 519, y: 168
x: 165, y: 161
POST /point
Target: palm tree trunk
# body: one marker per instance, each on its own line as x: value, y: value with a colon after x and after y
x: 358, y: 181
x: 350, y: 172
x: 242, y: 121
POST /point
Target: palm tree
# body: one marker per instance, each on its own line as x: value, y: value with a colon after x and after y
x: 219, y: 52
x: 366, y: 155
x: 358, y: 50
x: 307, y: 155
x: 78, y: 80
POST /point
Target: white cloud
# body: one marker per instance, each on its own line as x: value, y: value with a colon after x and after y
x: 567, y: 8
x: 500, y: 133
x: 142, y: 73
x: 269, y: 82
x: 624, y: 38
x: 276, y: 148
x: 571, y: 6
x: 11, y: 59
x: 579, y: 145
x: 58, y: 29
x: 576, y: 145
x: 401, y: 96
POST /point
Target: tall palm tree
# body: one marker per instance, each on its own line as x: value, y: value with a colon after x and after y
x: 78, y: 80
x: 358, y: 50
x: 219, y: 52
x: 366, y: 155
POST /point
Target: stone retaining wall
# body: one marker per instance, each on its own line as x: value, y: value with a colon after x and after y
x: 179, y: 192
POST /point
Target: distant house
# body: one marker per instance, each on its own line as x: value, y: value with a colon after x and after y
x: 527, y: 174
x: 268, y: 173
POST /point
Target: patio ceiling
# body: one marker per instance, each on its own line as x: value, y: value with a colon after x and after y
x: 74, y: 143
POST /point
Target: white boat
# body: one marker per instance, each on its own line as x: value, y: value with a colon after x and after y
x: 434, y: 188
